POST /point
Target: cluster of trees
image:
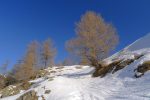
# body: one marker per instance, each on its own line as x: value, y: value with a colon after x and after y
x: 95, y: 39
x: 38, y: 56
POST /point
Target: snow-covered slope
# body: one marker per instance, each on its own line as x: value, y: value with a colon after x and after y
x: 141, y: 43
x: 75, y: 82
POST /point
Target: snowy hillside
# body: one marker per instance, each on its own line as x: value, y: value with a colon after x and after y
x: 75, y: 82
x: 141, y: 43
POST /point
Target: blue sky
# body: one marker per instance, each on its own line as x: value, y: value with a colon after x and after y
x: 22, y: 21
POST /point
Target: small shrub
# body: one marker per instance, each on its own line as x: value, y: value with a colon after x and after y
x: 10, y: 80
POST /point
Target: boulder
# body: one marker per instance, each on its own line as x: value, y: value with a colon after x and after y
x: 142, y: 69
x: 31, y: 95
x: 47, y: 91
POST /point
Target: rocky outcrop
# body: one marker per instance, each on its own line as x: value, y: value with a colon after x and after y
x: 14, y: 89
x: 104, y: 69
x: 122, y: 64
x: 41, y: 73
x: 31, y: 95
x: 6, y: 81
x: 9, y: 91
x: 141, y: 69
x: 114, y: 66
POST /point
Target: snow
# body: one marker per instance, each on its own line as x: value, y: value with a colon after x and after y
x: 75, y: 82
x: 37, y: 80
x: 141, y: 43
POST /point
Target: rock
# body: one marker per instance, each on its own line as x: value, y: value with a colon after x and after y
x: 138, y: 56
x: 103, y: 70
x: 117, y: 65
x: 31, y: 95
x: 0, y: 95
x: 14, y: 89
x: 9, y: 91
x: 41, y: 73
x: 52, y: 71
x: 113, y: 67
x: 142, y: 69
x: 47, y: 91
x: 26, y: 85
x: 122, y: 64
x: 43, y: 97
x: 78, y: 67
x: 50, y: 79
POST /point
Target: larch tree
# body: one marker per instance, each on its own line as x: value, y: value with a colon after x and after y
x: 95, y: 39
x: 48, y: 53
x: 27, y: 67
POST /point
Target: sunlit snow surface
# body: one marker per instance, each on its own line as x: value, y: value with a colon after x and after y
x: 75, y: 82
